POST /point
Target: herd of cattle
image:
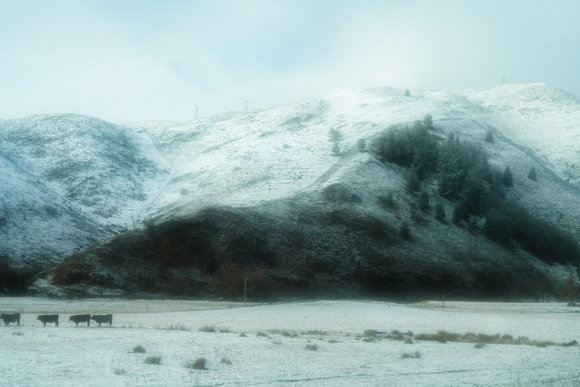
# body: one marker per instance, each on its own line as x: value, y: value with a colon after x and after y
x: 53, y: 319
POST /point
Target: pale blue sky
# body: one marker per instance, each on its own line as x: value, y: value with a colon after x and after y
x: 139, y: 60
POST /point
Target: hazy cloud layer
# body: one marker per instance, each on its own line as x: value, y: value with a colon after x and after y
x: 144, y: 59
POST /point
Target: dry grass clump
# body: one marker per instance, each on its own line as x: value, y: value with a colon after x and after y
x: 208, y: 329
x: 153, y: 360
x: 415, y: 355
x: 199, y: 364
x: 226, y: 361
x: 481, y: 338
x: 315, y: 333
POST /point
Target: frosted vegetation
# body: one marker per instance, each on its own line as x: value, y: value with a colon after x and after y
x: 322, y: 343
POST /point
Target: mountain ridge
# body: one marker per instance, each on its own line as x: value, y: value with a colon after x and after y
x: 304, y: 153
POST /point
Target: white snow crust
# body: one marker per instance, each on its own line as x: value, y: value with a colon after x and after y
x: 271, y: 351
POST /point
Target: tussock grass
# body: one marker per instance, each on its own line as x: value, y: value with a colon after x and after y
x: 415, y: 355
x: 315, y: 333
x: 481, y: 338
x: 208, y: 329
x: 372, y: 335
x: 139, y: 349
x: 153, y: 360
x: 226, y: 361
x: 199, y: 364
x: 214, y: 329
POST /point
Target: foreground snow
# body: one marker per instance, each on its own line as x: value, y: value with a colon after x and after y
x: 272, y: 349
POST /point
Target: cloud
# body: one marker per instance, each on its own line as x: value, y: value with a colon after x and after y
x: 138, y: 60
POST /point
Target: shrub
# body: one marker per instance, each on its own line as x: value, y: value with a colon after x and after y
x: 139, y: 349
x: 208, y: 328
x: 311, y: 347
x: 153, y: 360
x: 415, y: 355
x: 532, y: 174
x: 198, y: 364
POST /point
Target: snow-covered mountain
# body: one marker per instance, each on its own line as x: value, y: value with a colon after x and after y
x: 70, y: 181
x: 83, y: 180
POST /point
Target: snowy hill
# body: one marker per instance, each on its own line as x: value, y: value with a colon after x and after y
x: 243, y: 159
x: 283, y: 171
x: 68, y: 181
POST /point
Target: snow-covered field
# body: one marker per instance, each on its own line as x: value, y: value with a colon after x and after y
x: 321, y: 343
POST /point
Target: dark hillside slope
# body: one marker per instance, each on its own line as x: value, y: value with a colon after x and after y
x: 305, y: 247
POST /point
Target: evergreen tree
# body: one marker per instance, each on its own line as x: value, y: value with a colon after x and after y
x: 413, y: 182
x: 336, y: 148
x: 532, y: 174
x: 334, y: 135
x: 423, y: 201
x: 570, y: 288
x: 507, y: 178
x: 489, y: 136
x: 439, y: 212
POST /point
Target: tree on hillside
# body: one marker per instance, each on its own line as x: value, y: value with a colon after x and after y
x: 336, y: 148
x: 428, y: 121
x: 334, y: 135
x: 439, y: 212
x: 489, y: 136
x: 407, y: 93
x: 413, y: 182
x: 507, y: 178
x: 423, y: 201
x: 570, y: 288
x: 532, y: 174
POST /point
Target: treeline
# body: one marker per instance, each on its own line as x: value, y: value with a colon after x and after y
x: 465, y: 178
x: 14, y: 281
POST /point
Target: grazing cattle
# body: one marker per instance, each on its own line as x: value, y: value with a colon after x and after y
x: 10, y: 318
x: 48, y: 318
x: 81, y: 318
x: 103, y: 318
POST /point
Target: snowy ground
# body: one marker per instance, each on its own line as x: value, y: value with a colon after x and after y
x: 266, y: 345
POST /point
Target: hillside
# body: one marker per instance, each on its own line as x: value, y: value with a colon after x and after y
x: 294, y: 197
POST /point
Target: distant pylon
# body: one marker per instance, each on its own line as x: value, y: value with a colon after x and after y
x: 196, y: 113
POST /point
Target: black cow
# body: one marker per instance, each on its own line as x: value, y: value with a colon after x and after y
x: 103, y: 318
x: 10, y: 318
x: 48, y: 318
x: 81, y: 318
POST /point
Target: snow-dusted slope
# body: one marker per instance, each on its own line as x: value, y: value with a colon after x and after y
x: 243, y: 159
x: 66, y: 179
x: 109, y: 175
